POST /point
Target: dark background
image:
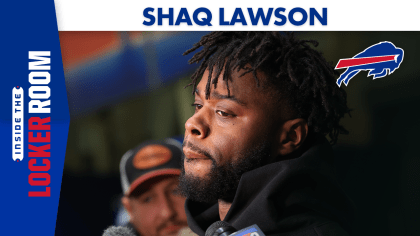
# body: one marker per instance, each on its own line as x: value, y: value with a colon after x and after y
x: 127, y: 87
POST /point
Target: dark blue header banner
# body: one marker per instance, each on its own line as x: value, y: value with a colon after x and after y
x: 34, y: 118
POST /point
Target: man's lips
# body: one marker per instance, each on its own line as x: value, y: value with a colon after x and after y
x: 193, y: 155
x: 172, y: 228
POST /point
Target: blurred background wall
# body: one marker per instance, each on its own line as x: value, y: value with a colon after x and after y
x: 127, y: 87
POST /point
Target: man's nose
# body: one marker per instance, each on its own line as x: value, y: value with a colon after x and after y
x: 196, y: 126
x: 167, y: 210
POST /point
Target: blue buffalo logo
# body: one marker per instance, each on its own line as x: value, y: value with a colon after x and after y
x: 380, y: 59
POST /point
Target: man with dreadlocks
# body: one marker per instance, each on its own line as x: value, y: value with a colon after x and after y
x: 255, y: 148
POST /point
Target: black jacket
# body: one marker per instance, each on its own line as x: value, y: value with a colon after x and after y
x: 293, y: 197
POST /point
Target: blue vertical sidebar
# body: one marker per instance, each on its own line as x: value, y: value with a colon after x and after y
x: 31, y: 26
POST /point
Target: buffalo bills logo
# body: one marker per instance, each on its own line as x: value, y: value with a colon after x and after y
x: 380, y: 59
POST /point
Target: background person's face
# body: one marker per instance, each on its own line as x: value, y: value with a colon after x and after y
x: 223, y: 129
x: 159, y: 210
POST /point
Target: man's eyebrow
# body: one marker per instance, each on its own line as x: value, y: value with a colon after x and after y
x: 217, y: 95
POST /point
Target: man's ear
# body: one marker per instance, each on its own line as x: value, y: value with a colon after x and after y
x: 126, y: 203
x: 292, y: 135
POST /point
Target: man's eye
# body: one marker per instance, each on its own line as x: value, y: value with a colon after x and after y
x: 222, y: 113
x: 197, y: 106
x: 146, y: 199
x: 175, y: 192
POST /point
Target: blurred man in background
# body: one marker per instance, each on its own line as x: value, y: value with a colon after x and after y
x: 149, y: 178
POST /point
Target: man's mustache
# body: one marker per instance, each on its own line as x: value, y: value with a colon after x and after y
x: 196, y: 149
x: 166, y: 223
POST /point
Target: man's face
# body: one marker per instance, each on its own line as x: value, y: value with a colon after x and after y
x: 228, y: 132
x: 159, y: 209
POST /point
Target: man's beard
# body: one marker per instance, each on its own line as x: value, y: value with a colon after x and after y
x: 223, y: 180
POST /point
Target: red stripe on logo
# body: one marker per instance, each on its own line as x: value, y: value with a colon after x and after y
x: 344, y: 63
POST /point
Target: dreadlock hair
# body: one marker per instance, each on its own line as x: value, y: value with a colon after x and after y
x: 297, y: 72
